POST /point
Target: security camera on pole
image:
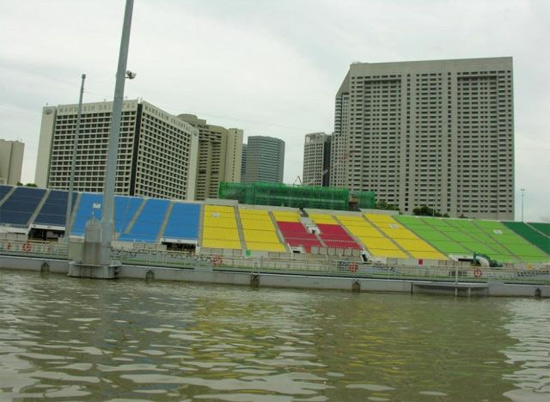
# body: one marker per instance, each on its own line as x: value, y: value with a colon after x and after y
x: 95, y: 261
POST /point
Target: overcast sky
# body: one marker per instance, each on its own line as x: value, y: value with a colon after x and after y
x: 270, y: 67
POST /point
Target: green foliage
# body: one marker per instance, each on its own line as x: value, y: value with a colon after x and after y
x: 385, y: 206
x: 425, y: 210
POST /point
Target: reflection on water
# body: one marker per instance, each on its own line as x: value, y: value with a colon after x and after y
x: 67, y: 339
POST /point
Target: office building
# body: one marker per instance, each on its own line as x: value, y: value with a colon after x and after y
x: 11, y: 161
x: 243, y: 162
x: 265, y: 159
x: 157, y: 154
x: 436, y: 133
x: 220, y: 154
x: 316, y: 169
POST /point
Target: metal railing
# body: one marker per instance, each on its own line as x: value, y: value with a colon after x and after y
x: 290, y: 265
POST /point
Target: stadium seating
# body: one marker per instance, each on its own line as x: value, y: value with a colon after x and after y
x: 530, y: 234
x: 374, y: 241
x: 286, y: 216
x: 125, y: 209
x: 296, y: 235
x: 220, y: 228
x: 332, y: 234
x: 139, y: 219
x: 464, y: 237
x: 4, y: 190
x: 406, y: 239
x: 18, y: 209
x: 259, y: 232
x: 183, y: 223
x: 54, y: 209
x: 146, y: 226
x: 86, y: 210
x: 543, y: 228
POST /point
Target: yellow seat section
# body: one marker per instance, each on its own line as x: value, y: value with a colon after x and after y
x: 352, y: 220
x: 259, y: 246
x: 262, y: 236
x: 235, y: 245
x: 285, y: 216
x: 221, y: 234
x: 428, y: 255
x: 378, y: 218
x: 220, y: 227
x: 393, y: 253
x: 364, y: 231
x: 256, y: 224
x: 378, y: 242
x: 414, y: 245
x: 220, y: 208
x: 259, y: 232
x: 323, y: 218
x: 220, y: 222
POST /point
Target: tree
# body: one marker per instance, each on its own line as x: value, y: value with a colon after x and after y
x: 385, y: 206
x: 425, y: 210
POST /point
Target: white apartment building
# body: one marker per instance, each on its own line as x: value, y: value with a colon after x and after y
x: 220, y: 156
x: 436, y: 133
x: 157, y: 154
x: 11, y: 161
x: 316, y: 169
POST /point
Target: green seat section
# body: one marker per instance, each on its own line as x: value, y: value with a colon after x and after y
x: 530, y: 234
x: 544, y: 228
x: 488, y: 224
x: 459, y: 236
x: 450, y: 247
x: 428, y: 234
x: 502, y: 242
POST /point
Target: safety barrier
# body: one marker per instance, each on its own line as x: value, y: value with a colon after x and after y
x: 33, y: 248
x: 289, y: 264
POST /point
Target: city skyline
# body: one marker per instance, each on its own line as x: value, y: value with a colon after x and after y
x: 269, y: 68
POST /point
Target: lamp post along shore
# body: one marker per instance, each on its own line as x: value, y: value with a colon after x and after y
x: 94, y: 259
x: 522, y: 199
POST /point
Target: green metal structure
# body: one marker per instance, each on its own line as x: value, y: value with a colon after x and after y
x: 277, y: 194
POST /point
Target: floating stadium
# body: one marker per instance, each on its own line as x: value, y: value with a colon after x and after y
x: 314, y: 230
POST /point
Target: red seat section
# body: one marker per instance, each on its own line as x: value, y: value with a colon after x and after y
x: 295, y: 234
x: 335, y: 236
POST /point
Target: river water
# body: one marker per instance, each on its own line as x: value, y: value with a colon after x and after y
x: 75, y: 339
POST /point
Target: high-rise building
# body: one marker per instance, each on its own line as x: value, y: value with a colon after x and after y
x: 243, y: 162
x: 220, y: 154
x: 11, y: 161
x: 435, y: 133
x: 157, y: 154
x: 316, y: 170
x: 265, y: 159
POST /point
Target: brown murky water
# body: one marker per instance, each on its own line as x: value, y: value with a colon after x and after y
x: 70, y: 339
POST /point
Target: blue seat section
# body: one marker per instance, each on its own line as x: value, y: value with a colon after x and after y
x: 20, y: 206
x: 183, y: 222
x: 148, y: 223
x: 125, y: 209
x: 54, y: 210
x: 85, y: 211
x: 4, y: 190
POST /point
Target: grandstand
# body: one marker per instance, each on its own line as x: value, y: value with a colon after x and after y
x: 218, y: 227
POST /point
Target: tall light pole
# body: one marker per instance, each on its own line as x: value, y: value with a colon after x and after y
x: 522, y: 198
x: 107, y: 217
x: 73, y: 164
x: 94, y: 260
